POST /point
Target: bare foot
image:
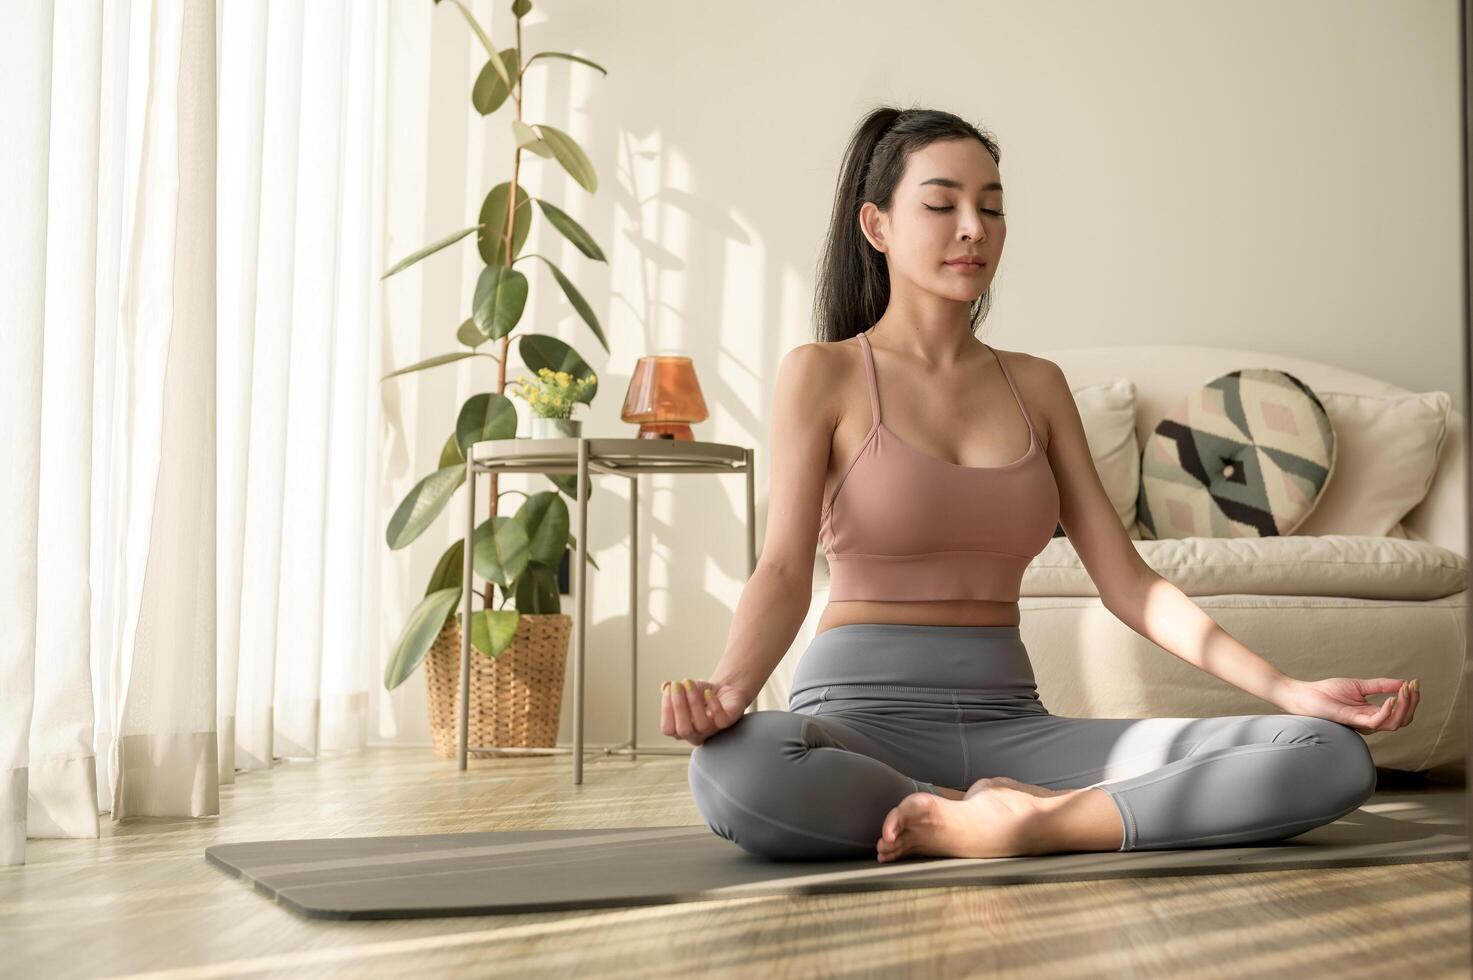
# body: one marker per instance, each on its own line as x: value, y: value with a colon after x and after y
x: 1030, y: 788
x: 997, y: 818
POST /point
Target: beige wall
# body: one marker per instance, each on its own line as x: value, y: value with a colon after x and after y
x: 1274, y: 176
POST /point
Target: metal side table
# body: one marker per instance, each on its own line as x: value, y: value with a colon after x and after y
x: 582, y: 456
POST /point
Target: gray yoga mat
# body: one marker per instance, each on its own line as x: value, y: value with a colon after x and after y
x: 496, y: 872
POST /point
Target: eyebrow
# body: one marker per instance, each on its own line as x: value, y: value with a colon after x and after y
x: 956, y: 184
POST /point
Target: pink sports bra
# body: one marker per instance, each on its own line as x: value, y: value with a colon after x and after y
x: 904, y: 525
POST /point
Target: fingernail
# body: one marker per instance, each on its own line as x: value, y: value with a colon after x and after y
x: 688, y: 685
x: 1416, y: 684
x: 707, y: 692
x: 664, y: 687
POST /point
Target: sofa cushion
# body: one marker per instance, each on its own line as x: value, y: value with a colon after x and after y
x: 1107, y: 410
x: 1347, y: 565
x: 1387, y: 450
x: 1245, y: 455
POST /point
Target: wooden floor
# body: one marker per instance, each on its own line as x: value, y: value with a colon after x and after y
x: 142, y: 900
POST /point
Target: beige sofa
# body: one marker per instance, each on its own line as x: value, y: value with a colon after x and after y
x: 1362, y: 599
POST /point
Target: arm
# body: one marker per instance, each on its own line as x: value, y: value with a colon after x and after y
x: 777, y: 597
x: 1133, y: 591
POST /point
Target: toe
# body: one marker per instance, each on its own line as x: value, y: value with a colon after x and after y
x: 890, y: 829
x: 918, y: 806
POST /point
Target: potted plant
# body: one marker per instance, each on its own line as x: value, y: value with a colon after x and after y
x: 517, y: 687
x: 552, y: 395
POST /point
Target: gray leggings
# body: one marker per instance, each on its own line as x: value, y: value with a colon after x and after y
x: 879, y: 711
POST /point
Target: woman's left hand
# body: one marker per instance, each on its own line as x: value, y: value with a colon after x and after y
x: 1343, y: 699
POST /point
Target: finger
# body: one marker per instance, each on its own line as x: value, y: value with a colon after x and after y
x: 1369, y: 722
x: 700, y: 718
x: 1379, y: 685
x: 680, y: 704
x: 719, y: 714
x: 706, y: 698
x: 1402, y: 714
x: 667, y: 711
x: 1414, y: 691
x: 1370, y: 716
x: 1403, y: 705
x: 1383, y: 717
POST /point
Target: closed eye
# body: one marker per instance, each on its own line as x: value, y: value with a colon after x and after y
x: 948, y: 208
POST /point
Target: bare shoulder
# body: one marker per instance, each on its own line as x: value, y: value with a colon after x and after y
x: 1042, y: 385
x: 813, y: 355
x: 809, y: 377
x: 819, y: 370
x: 1040, y: 371
x: 812, y: 364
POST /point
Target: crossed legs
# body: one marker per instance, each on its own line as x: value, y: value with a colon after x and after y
x: 785, y: 785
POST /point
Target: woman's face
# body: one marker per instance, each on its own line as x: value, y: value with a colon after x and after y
x: 947, y: 205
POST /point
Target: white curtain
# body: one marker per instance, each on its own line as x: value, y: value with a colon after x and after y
x: 189, y: 540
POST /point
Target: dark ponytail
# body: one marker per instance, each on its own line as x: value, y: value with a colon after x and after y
x: 852, y: 287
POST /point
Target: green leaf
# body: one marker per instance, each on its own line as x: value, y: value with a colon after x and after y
x: 492, y: 238
x: 470, y: 334
x: 501, y: 296
x: 480, y: 33
x: 528, y: 139
x: 492, y: 87
x: 573, y: 542
x: 429, y: 250
x: 576, y: 298
x: 423, y: 625
x: 537, y: 590
x: 490, y: 415
x: 571, y: 230
x: 422, y: 504
x: 569, y: 57
x: 492, y: 630
x: 570, y: 155
x: 435, y: 361
x: 450, y: 569
x: 520, y: 8
x: 545, y: 517
x: 568, y: 483
x: 500, y: 557
x: 540, y: 350
x: 450, y: 454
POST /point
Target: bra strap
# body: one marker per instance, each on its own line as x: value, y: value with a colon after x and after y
x: 1016, y: 397
x: 874, y: 385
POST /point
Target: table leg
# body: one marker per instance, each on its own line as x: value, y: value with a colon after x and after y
x: 580, y: 582
x: 751, y: 514
x: 751, y: 531
x: 465, y: 612
x: 633, y: 614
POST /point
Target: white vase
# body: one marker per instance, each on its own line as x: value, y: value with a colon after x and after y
x: 546, y: 428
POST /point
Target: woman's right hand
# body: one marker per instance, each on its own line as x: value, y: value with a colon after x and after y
x: 696, y: 710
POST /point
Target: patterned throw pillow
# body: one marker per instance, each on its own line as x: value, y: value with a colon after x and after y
x: 1247, y: 455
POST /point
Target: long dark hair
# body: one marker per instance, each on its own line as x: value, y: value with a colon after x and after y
x: 852, y: 287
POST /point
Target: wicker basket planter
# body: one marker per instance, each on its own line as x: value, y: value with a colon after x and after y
x: 515, y: 699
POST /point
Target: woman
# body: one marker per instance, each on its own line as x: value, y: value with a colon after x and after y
x: 934, y: 468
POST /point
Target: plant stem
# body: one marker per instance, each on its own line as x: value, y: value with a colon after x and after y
x: 506, y: 257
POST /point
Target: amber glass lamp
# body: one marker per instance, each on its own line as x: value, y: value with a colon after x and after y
x: 664, y: 397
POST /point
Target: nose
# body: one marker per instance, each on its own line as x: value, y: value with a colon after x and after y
x: 971, y: 228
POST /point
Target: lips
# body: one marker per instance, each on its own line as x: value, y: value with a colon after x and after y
x: 966, y: 264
